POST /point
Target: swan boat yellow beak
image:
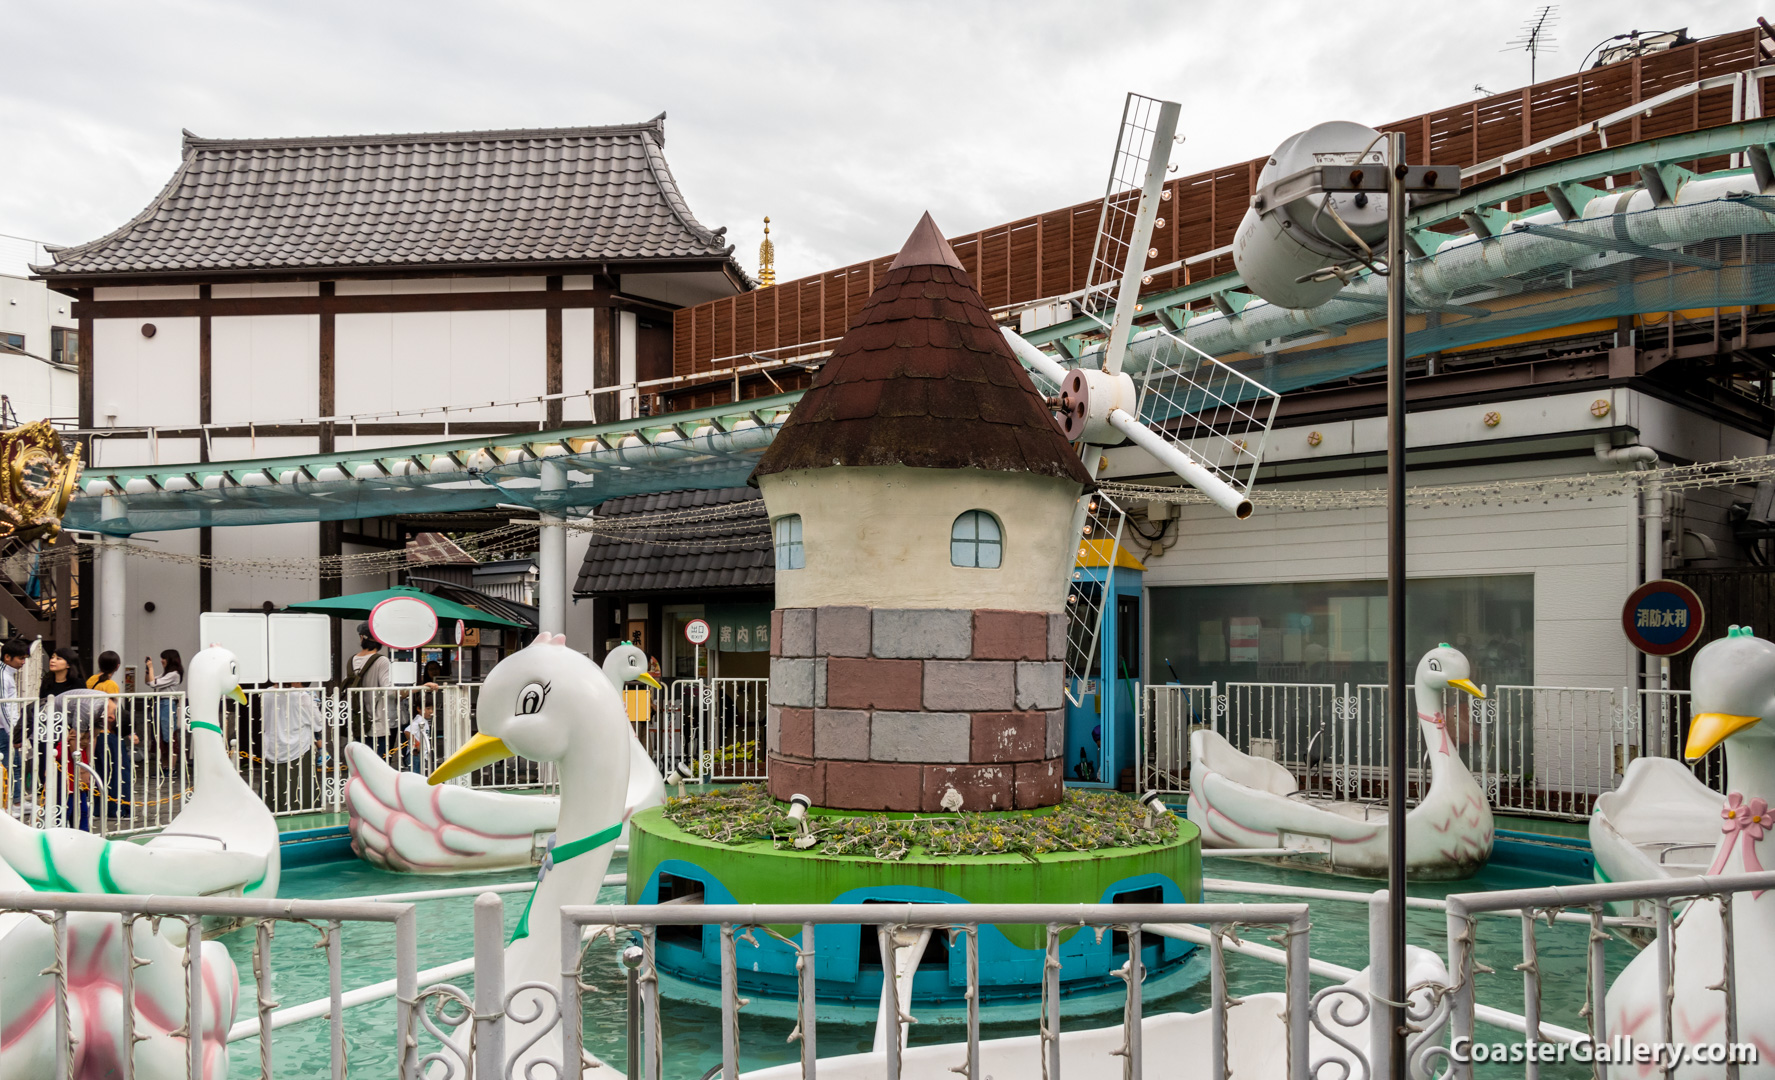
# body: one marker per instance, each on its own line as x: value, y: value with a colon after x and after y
x: 1707, y: 730
x: 477, y: 753
x: 1467, y: 685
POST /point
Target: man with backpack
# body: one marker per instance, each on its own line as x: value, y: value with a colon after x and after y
x: 372, y: 673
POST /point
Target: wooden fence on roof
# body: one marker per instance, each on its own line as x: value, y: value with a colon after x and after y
x: 1047, y: 255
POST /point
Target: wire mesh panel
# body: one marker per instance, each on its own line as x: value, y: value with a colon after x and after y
x: 1172, y: 712
x: 1136, y: 144
x: 735, y: 750
x: 1216, y: 414
x: 1100, y: 543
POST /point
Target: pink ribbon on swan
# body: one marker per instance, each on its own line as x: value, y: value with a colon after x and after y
x: 1441, y: 725
x: 1749, y: 820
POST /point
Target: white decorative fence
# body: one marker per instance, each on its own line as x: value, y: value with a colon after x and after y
x: 709, y: 729
x: 1540, y: 751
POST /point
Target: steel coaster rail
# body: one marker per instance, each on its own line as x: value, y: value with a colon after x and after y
x: 1533, y: 903
x: 1293, y: 919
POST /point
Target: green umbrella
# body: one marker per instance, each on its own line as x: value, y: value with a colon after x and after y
x: 361, y: 603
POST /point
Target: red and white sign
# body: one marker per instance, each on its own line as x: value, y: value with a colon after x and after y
x: 461, y: 631
x: 696, y: 631
x: 403, y: 622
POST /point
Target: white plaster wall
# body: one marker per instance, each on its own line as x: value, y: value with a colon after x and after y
x: 409, y: 360
x: 144, y: 381
x: 880, y: 537
x: 264, y: 368
x: 146, y: 292
x: 235, y: 589
x: 577, y: 368
x: 266, y: 288
x: 172, y: 587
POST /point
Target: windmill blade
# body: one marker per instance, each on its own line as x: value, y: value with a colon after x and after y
x: 1122, y: 250
x: 1100, y: 541
x: 1194, y: 408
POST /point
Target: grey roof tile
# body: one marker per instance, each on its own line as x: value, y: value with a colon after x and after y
x: 482, y: 198
x: 728, y: 553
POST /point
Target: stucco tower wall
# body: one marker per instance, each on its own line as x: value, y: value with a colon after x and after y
x: 879, y: 537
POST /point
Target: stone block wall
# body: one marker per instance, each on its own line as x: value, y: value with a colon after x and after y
x: 890, y: 708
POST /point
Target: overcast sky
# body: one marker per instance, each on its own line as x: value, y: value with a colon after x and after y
x: 841, y: 120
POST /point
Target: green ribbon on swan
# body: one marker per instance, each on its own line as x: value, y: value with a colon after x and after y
x: 207, y: 726
x: 560, y: 853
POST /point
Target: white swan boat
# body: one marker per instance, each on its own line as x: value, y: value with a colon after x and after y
x: 400, y: 822
x: 1733, y: 683
x: 1661, y: 822
x: 1240, y: 801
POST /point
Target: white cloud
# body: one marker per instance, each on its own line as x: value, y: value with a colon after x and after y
x: 841, y: 121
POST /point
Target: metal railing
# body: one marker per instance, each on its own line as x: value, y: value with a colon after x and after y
x: 1537, y: 751
x: 106, y: 763
x: 737, y: 923
x: 712, y: 728
x: 84, y: 925
x: 1666, y: 897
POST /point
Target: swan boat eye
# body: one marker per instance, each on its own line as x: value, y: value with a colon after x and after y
x: 530, y: 698
x: 1435, y: 664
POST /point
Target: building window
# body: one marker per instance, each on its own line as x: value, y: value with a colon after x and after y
x: 1336, y: 631
x: 16, y: 341
x: 790, y: 554
x: 976, y: 540
x: 64, y: 345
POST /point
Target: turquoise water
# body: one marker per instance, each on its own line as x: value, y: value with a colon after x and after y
x: 692, y: 1031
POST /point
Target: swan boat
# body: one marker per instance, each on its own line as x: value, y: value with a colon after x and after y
x: 1240, y: 801
x: 400, y: 822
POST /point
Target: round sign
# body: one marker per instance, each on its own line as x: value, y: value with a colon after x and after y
x: 403, y: 622
x: 696, y: 631
x: 1662, y: 618
x: 461, y: 631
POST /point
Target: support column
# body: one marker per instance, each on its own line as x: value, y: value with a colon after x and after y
x: 113, y: 592
x: 551, y: 586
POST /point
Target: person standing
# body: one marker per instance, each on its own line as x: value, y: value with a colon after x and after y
x: 373, y: 673
x: 12, y: 658
x: 111, y: 742
x: 60, y: 733
x: 166, y: 707
x: 292, y: 732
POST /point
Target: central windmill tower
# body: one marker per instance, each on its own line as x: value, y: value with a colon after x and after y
x: 922, y: 505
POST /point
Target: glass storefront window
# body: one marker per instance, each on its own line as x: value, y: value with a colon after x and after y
x: 1336, y: 631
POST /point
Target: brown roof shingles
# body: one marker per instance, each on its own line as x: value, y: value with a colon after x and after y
x: 735, y: 552
x: 451, y: 200
x: 923, y: 379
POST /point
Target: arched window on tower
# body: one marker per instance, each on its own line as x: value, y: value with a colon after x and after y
x: 976, y: 540
x: 787, y: 533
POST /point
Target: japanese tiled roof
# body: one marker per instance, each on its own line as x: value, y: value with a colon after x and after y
x: 724, y: 552
x: 436, y: 549
x: 453, y: 200
x: 923, y: 378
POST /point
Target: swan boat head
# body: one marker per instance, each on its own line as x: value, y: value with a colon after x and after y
x: 1734, y: 692
x: 213, y: 673
x: 626, y: 664
x: 546, y: 703
x: 1443, y: 667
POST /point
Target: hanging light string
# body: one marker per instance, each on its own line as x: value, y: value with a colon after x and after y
x: 744, y: 525
x: 1702, y: 475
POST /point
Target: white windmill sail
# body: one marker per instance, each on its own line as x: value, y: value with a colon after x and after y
x: 1100, y: 539
x: 1199, y: 417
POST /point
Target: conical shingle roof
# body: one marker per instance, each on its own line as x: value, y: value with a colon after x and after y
x: 924, y: 379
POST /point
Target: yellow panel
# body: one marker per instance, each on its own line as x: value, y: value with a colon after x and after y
x: 1570, y: 330
x: 1096, y: 553
x: 640, y: 704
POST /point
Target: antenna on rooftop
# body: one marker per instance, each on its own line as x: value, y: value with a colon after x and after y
x: 767, y: 259
x: 1536, y: 35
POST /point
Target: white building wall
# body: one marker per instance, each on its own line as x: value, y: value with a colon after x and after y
x: 411, y: 360
x: 145, y: 381
x: 36, y: 390
x: 578, y: 372
x: 263, y: 368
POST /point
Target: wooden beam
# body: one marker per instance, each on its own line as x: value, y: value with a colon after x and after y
x: 353, y: 305
x: 555, y: 381
x: 324, y: 402
x: 85, y: 322
x: 606, y: 370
